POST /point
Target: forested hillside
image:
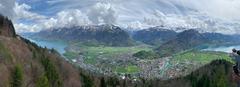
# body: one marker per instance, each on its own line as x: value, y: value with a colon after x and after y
x: 24, y: 64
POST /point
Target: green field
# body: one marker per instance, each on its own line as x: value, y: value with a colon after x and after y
x: 92, y: 52
x: 129, y: 69
x: 97, y: 55
x: 202, y: 57
x: 187, y: 62
x: 111, y: 51
x: 70, y: 55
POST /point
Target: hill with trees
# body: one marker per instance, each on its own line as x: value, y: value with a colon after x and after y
x: 154, y: 35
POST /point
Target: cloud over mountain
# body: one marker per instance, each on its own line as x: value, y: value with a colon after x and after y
x: 6, y: 7
x: 214, y: 15
x: 102, y: 13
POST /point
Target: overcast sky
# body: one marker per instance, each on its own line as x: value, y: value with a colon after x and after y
x: 36, y: 15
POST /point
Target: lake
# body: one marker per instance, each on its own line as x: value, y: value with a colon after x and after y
x: 57, y: 45
x: 227, y: 49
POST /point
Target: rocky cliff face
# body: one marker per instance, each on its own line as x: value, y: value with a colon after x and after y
x: 6, y: 27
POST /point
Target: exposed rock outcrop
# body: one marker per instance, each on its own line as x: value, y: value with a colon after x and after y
x: 6, y: 27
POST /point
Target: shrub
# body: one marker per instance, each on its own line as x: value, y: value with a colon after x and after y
x: 87, y: 82
x: 42, y: 82
x: 17, y: 77
x: 146, y: 55
x: 51, y: 73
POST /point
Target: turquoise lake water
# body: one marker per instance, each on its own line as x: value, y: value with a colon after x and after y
x: 226, y: 49
x: 61, y: 45
x: 57, y: 45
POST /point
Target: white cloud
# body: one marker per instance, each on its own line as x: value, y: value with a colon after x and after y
x: 1, y: 6
x: 72, y: 17
x: 67, y: 18
x: 6, y: 8
x: 102, y: 13
x: 132, y: 13
x: 223, y: 9
x: 20, y: 27
x: 22, y: 12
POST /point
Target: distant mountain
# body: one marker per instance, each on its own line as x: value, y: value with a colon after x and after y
x: 154, y: 35
x: 183, y: 41
x: 191, y: 38
x: 222, y: 39
x: 100, y: 34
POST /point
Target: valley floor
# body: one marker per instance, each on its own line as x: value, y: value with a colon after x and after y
x: 118, y: 61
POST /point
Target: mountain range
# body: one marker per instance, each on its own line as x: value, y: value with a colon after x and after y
x: 183, y: 41
x: 104, y: 34
x: 154, y: 35
x: 24, y: 64
x: 165, y: 40
x: 192, y: 39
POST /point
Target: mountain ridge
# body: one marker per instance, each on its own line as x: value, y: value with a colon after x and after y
x: 185, y: 40
x: 104, y: 34
x: 154, y: 35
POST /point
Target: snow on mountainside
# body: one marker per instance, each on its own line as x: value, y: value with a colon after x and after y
x: 102, y: 34
x: 180, y: 23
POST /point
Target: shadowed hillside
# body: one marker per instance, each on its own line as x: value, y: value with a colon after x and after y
x: 185, y: 40
x: 154, y: 35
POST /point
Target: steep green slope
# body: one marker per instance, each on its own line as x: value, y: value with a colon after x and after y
x: 24, y: 64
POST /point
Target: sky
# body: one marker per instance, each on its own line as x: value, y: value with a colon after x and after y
x: 220, y: 16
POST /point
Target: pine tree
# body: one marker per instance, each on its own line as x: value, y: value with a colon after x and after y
x: 17, y: 77
x: 42, y: 82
